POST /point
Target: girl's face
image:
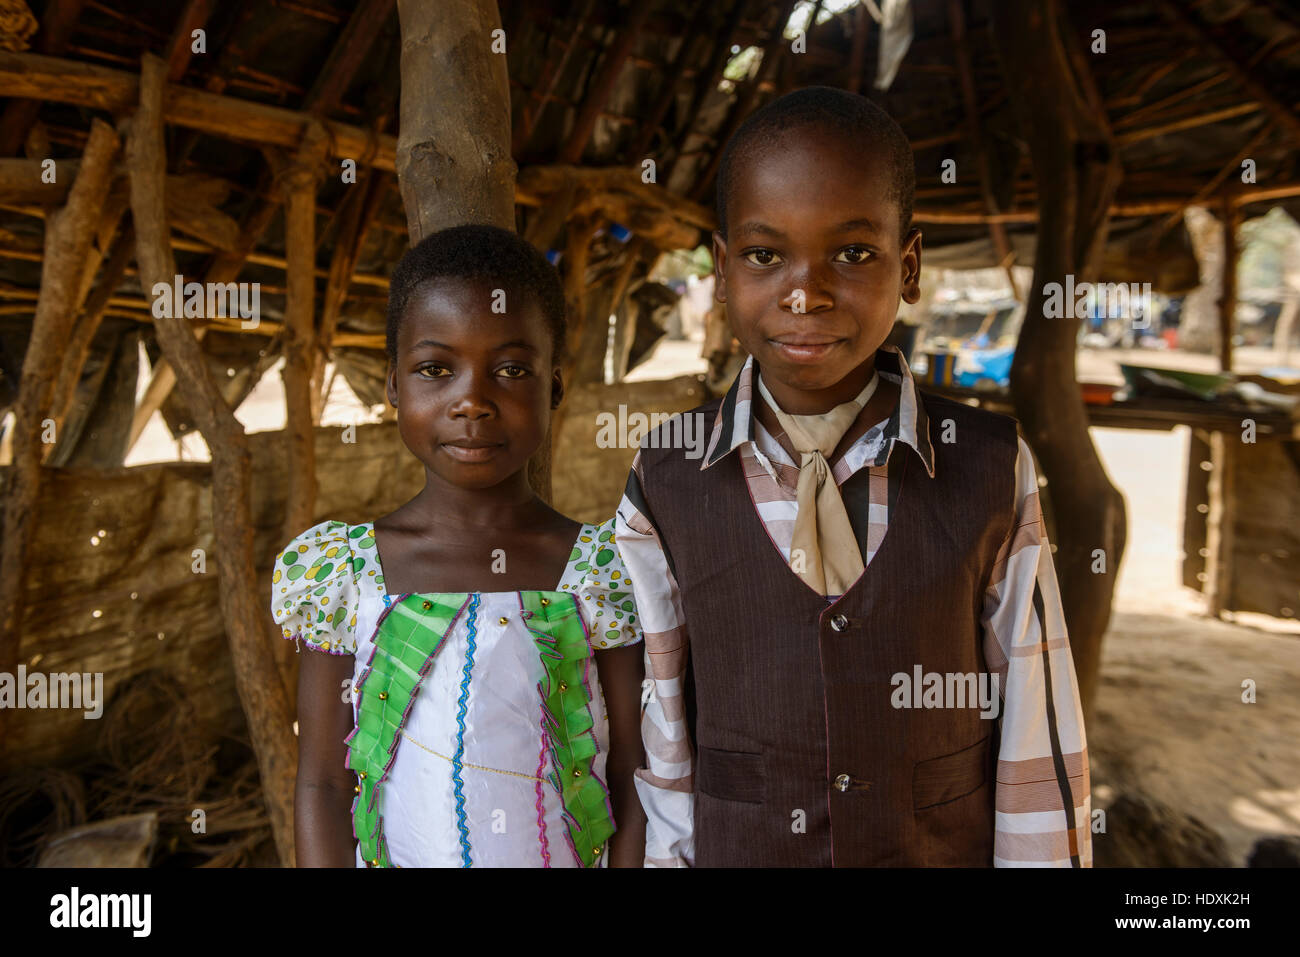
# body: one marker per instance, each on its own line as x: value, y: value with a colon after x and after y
x: 474, y: 389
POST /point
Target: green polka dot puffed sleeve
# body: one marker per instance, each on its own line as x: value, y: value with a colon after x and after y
x: 314, y: 593
x: 604, y: 590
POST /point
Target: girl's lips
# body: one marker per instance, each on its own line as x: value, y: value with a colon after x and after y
x: 464, y: 453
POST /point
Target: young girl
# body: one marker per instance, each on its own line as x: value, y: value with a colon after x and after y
x: 448, y: 712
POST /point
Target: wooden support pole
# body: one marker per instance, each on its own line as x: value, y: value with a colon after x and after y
x: 68, y: 235
x: 299, y: 182
x: 1076, y: 168
x: 347, y: 248
x: 453, y: 165
x: 1231, y: 216
x: 1220, y: 538
x: 83, y: 333
x: 243, y: 608
x: 225, y: 268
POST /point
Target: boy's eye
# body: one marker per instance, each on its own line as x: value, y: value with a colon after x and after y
x: 438, y: 372
x: 855, y: 254
x: 514, y: 372
x: 762, y: 257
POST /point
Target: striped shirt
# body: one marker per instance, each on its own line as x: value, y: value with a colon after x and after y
x: 1042, y: 751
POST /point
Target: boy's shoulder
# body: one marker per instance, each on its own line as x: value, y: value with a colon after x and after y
x: 683, y: 434
x: 938, y: 407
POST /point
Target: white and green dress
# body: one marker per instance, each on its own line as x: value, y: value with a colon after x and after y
x: 480, y: 733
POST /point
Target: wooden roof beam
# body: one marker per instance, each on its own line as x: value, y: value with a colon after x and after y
x: 180, y: 48
x: 348, y: 54
x: 1195, y: 31
x: 603, y: 85
x: 66, y: 81
x: 56, y: 30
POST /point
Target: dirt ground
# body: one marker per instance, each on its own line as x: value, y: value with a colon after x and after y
x: 1170, y: 724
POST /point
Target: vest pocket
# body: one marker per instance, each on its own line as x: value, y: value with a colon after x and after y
x: 951, y: 776
x: 731, y: 775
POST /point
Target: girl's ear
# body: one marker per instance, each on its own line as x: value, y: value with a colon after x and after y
x: 390, y: 384
x: 557, y: 388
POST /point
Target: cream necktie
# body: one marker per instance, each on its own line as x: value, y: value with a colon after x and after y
x: 823, y: 550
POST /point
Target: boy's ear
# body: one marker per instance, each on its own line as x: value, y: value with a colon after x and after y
x: 719, y: 267
x: 557, y: 388
x: 912, y: 266
x: 390, y: 385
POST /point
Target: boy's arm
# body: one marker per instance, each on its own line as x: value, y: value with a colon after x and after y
x: 666, y: 784
x: 1044, y: 806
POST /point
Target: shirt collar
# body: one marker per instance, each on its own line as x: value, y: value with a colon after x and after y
x: 734, y: 424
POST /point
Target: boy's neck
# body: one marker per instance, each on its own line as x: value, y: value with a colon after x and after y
x: 795, y: 401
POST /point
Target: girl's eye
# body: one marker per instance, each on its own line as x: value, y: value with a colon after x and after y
x: 762, y: 257
x: 856, y: 254
x: 514, y: 372
x: 439, y: 372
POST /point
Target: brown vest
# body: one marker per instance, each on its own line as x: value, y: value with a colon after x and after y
x: 802, y: 759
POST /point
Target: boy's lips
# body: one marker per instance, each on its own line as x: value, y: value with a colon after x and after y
x: 804, y: 347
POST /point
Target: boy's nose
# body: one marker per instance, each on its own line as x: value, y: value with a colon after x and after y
x: 807, y: 295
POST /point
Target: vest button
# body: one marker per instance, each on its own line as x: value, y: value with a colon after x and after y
x: 842, y: 782
x: 839, y: 623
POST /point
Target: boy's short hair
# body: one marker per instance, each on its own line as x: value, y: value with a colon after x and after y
x: 848, y: 114
x: 479, y: 252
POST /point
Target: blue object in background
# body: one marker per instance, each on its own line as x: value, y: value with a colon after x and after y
x: 980, y: 364
x: 620, y: 232
x: 553, y: 256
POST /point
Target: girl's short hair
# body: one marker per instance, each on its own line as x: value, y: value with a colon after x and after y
x: 495, y: 256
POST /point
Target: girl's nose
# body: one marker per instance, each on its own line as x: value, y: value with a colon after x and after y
x: 471, y: 403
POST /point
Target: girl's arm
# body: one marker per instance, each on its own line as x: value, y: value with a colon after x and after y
x: 322, y: 800
x: 621, y: 671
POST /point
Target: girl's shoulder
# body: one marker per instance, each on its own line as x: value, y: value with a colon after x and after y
x: 319, y: 581
x: 597, y: 576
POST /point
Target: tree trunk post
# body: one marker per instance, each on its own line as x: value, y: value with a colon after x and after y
x: 261, y: 692
x: 453, y: 149
x: 1077, y: 171
x: 68, y: 234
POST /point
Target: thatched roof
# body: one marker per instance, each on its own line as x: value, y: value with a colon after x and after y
x: 1190, y: 90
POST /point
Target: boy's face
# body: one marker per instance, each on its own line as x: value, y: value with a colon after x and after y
x: 813, y: 269
x: 474, y: 389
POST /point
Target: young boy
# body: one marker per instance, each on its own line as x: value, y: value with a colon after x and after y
x: 849, y: 607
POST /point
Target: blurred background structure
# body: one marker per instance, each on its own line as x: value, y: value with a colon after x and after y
x: 153, y: 464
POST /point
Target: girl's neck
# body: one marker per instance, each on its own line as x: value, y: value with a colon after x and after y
x: 511, y: 504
